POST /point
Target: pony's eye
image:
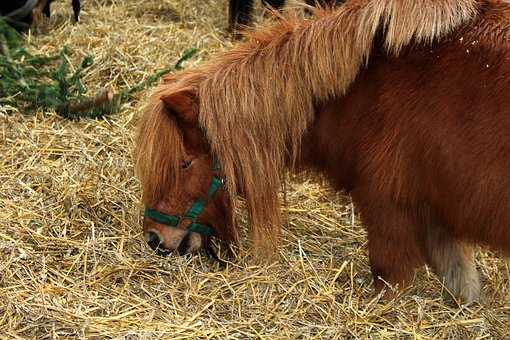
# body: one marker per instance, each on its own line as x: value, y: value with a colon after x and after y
x: 185, y: 165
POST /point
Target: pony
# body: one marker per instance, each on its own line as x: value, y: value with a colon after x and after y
x: 23, y: 13
x: 401, y: 104
x: 240, y: 11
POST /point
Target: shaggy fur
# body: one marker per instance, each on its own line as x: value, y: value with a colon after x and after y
x: 395, y: 138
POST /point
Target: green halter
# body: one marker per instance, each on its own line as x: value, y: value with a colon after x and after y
x: 193, y: 212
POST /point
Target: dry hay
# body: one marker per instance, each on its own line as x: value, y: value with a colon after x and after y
x: 73, y: 262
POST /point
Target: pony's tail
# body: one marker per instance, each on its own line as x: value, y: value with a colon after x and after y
x: 157, y: 135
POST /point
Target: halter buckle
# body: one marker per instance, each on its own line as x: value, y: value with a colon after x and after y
x: 185, y: 222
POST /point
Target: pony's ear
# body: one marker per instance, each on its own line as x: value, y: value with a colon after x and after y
x: 182, y: 103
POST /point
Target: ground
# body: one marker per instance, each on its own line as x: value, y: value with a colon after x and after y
x: 73, y: 260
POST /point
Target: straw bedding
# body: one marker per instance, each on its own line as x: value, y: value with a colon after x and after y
x: 73, y: 261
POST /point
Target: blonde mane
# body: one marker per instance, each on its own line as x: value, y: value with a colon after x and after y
x: 257, y: 100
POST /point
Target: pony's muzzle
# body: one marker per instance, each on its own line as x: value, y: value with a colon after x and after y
x: 173, y: 240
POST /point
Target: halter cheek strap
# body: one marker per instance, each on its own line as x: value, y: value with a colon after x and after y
x: 193, y: 212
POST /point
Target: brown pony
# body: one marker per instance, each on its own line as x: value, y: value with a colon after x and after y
x: 402, y: 103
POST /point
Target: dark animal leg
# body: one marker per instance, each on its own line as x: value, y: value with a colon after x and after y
x: 276, y: 4
x: 46, y: 10
x: 312, y: 2
x: 273, y: 5
x: 393, y: 249
x: 453, y: 262
x: 240, y: 14
x: 76, y: 9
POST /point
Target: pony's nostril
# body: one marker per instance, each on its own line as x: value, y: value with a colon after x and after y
x: 153, y: 240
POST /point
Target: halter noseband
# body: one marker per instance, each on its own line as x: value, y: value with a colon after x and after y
x: 193, y: 212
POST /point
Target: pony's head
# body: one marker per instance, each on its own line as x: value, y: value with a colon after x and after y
x: 183, y: 184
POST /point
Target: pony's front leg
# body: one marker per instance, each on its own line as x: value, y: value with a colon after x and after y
x: 393, y: 247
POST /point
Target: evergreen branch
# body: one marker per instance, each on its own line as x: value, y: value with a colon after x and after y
x: 30, y: 81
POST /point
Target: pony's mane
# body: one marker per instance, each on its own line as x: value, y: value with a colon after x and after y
x: 257, y: 100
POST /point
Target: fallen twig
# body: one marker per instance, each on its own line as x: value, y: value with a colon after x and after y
x: 102, y: 101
